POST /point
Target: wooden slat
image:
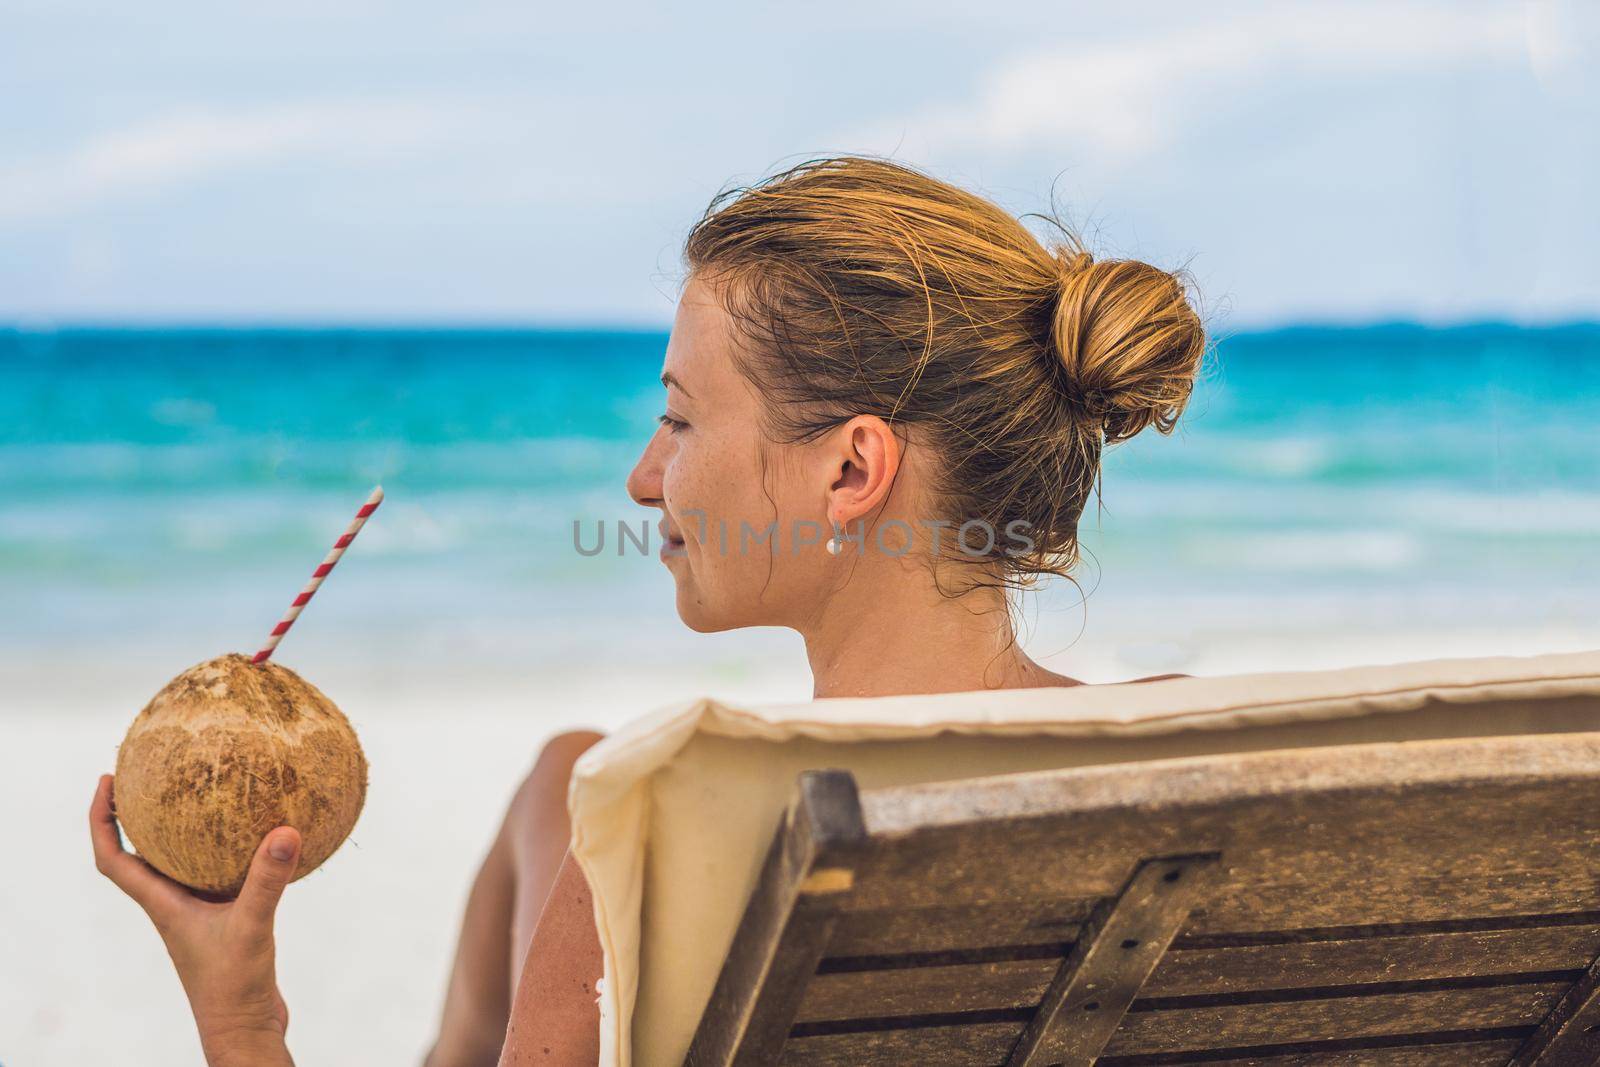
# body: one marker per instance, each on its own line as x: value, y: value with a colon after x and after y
x: 1535, y: 763
x: 1313, y: 837
x: 1120, y: 945
x: 1466, y: 889
x: 1231, y: 969
x: 1451, y: 1054
x: 1323, y: 1019
x: 1570, y: 1035
x: 979, y: 1045
x: 928, y: 990
x: 786, y: 927
x: 1349, y: 961
x: 892, y: 931
x: 1529, y: 854
x: 1253, y: 905
x: 986, y: 1044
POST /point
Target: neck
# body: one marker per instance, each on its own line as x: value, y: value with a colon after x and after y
x: 895, y: 637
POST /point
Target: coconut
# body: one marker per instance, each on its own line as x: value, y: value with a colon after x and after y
x: 227, y: 751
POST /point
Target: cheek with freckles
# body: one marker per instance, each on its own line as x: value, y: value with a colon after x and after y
x: 734, y: 572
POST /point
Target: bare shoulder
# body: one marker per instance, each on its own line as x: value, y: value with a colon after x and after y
x: 504, y: 904
x: 552, y: 769
x: 538, y: 833
x: 555, y: 1014
x: 556, y: 951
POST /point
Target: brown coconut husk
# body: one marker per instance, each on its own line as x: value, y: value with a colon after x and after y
x: 227, y: 751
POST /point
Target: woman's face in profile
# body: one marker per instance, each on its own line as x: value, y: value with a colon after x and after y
x: 721, y: 484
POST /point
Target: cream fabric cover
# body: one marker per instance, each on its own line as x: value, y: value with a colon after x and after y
x: 673, y: 814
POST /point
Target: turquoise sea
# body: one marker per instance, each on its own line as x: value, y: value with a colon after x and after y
x: 172, y: 488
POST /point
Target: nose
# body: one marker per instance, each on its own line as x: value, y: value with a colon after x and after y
x: 644, y: 481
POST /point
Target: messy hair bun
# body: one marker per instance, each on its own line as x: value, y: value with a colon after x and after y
x: 861, y: 286
x: 1128, y: 342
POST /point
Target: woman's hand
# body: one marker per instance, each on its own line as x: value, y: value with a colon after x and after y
x: 223, y: 952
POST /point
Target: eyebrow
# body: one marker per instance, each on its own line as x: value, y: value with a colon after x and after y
x: 671, y: 380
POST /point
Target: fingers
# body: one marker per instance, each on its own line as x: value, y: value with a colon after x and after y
x: 271, y: 870
x: 153, y: 891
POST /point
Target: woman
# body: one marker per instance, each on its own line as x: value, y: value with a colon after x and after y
x: 886, y: 403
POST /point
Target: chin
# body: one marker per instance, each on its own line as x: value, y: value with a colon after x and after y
x: 705, y: 618
x: 695, y: 613
x: 696, y: 618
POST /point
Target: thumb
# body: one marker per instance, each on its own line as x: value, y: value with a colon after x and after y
x: 272, y: 869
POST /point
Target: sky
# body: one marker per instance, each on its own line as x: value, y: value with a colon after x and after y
x: 345, y: 161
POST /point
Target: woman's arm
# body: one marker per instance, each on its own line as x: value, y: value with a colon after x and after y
x: 478, y: 1002
x: 224, y: 952
x: 504, y: 907
x: 556, y: 1016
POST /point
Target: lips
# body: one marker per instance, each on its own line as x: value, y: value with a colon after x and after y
x: 669, y: 538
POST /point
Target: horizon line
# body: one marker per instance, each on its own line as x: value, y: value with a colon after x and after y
x: 88, y: 324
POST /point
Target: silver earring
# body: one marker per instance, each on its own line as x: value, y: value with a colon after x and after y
x: 835, y: 543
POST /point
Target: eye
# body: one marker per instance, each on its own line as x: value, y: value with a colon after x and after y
x: 673, y: 425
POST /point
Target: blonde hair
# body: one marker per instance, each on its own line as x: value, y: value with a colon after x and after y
x: 863, y: 286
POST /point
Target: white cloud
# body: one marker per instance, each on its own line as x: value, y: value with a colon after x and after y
x: 1563, y: 42
x: 186, y: 147
x: 1326, y: 158
x: 1124, y: 100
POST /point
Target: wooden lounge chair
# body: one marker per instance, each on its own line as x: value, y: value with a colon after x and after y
x: 1403, y: 903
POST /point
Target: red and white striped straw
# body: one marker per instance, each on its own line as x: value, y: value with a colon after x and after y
x: 317, y: 575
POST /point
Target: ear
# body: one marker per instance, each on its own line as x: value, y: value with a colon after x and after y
x: 863, y: 457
